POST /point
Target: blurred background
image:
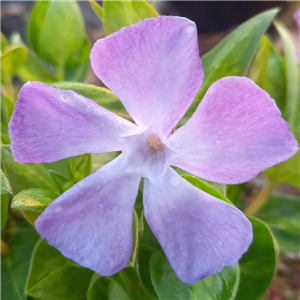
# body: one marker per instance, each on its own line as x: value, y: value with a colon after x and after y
x: 214, y: 19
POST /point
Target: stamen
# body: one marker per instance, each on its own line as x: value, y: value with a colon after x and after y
x: 155, y: 143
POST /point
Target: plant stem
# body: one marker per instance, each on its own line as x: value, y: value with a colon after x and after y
x: 260, y: 199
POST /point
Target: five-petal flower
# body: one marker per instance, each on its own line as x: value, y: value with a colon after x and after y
x: 154, y: 68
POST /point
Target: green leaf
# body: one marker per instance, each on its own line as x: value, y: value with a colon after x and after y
x: 258, y: 264
x: 52, y: 276
x: 145, y: 254
x: 5, y: 186
x: 219, y: 286
x: 25, y: 176
x: 14, y: 268
x: 135, y: 229
x: 56, y: 32
x: 32, y: 199
x: 292, y: 76
x: 105, y: 289
x: 34, y: 68
x: 80, y: 167
x: 100, y: 95
x: 97, y: 8
x: 233, y: 55
x: 165, y: 281
x: 77, y: 73
x: 287, y: 171
x: 268, y: 71
x: 11, y: 60
x: 118, y: 14
x: 4, y: 209
x: 200, y: 184
x: 7, y: 107
x: 80, y: 65
x: 282, y: 214
x: 4, y: 42
x: 9, y: 290
x: 99, y: 160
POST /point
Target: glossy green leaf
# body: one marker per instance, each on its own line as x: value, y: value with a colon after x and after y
x: 200, y: 184
x: 5, y: 191
x: 165, y: 282
x: 7, y: 107
x: 145, y: 254
x: 258, y: 264
x: 292, y: 76
x: 105, y: 289
x: 32, y: 199
x: 79, y: 65
x: 34, y: 68
x: 219, y: 286
x: 233, y: 55
x: 235, y: 193
x: 100, y: 95
x: 5, y: 186
x: 4, y: 209
x: 61, y: 181
x: 52, y: 276
x: 282, y: 214
x: 25, y: 176
x: 287, y: 171
x: 77, y: 73
x: 11, y: 60
x: 99, y: 160
x: 14, y: 268
x: 56, y: 32
x: 9, y: 290
x: 268, y: 71
x: 31, y: 216
x: 135, y: 228
x: 4, y: 42
x: 80, y: 167
x: 118, y: 14
x: 97, y: 8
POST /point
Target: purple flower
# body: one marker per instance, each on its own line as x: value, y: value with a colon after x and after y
x: 297, y: 17
x: 154, y: 68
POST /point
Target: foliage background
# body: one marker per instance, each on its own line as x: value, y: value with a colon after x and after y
x: 30, y: 268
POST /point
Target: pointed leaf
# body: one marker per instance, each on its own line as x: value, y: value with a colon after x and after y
x: 32, y: 199
x: 282, y: 214
x: 258, y: 264
x: 118, y: 14
x: 52, y: 276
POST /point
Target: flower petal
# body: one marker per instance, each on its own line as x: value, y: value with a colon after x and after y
x: 153, y: 67
x: 91, y: 223
x: 198, y: 233
x: 236, y: 132
x: 49, y: 124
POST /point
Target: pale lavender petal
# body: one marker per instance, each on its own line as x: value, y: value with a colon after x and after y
x: 297, y: 17
x: 49, y: 124
x: 153, y: 67
x: 198, y: 233
x: 91, y: 223
x: 236, y: 132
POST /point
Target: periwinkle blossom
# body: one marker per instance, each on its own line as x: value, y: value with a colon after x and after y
x: 297, y: 18
x: 154, y: 68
